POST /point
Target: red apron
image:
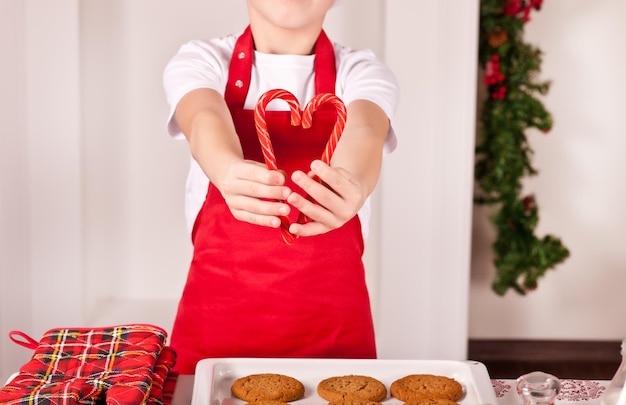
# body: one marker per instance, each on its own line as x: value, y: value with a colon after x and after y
x: 248, y: 294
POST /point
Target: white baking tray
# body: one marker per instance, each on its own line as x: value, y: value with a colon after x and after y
x: 214, y: 377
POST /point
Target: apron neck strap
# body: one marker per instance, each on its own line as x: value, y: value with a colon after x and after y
x: 242, y: 59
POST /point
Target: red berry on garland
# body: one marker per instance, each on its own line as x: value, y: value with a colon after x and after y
x: 499, y: 93
x: 512, y: 8
x: 529, y: 204
x: 492, y: 71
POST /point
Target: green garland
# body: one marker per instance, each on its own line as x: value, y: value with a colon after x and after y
x: 503, y: 155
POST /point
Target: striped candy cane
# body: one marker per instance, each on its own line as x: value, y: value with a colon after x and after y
x: 340, y: 123
x: 297, y: 118
x: 266, y: 144
x: 261, y: 124
x: 307, y: 120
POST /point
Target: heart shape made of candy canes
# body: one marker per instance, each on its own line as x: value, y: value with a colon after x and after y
x: 298, y: 117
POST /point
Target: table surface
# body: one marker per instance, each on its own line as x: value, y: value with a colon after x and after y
x: 573, y: 392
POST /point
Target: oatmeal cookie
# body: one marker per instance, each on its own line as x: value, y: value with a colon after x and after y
x: 267, y: 387
x: 352, y: 389
x: 426, y: 386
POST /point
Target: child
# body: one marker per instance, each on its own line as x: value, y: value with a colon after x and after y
x: 248, y: 293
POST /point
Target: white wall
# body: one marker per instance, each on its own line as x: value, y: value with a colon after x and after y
x: 427, y: 185
x: 14, y: 263
x: 92, y: 187
x: 580, y: 187
x: 40, y: 177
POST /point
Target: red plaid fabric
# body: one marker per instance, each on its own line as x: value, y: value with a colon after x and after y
x: 161, y: 390
x: 169, y: 387
x: 85, y: 366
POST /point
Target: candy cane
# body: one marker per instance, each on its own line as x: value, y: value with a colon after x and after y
x: 261, y: 124
x: 297, y: 118
x: 307, y: 120
x: 340, y: 123
x: 266, y: 144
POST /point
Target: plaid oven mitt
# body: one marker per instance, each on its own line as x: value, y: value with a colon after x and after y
x: 112, y: 365
x: 163, y: 379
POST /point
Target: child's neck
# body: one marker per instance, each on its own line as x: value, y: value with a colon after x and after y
x: 285, y: 42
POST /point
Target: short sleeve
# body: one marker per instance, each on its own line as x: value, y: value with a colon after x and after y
x: 362, y: 76
x: 198, y: 64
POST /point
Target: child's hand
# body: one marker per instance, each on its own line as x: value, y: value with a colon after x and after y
x: 251, y: 190
x: 339, y: 199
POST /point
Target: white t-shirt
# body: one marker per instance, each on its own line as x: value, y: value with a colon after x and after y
x: 204, y: 64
